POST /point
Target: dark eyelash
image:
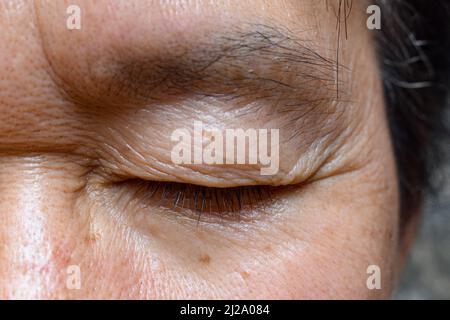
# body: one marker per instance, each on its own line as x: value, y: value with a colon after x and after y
x: 237, y: 202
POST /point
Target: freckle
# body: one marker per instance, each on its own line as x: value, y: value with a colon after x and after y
x: 205, y: 259
x: 245, y: 274
x: 208, y: 134
x: 390, y: 234
x: 268, y: 248
x: 93, y: 237
x: 153, y: 231
x: 60, y: 258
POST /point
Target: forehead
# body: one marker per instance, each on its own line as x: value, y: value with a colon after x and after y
x: 165, y: 24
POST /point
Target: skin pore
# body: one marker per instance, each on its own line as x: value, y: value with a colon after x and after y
x: 85, y: 125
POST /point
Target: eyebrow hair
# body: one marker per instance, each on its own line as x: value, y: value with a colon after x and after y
x: 255, y: 61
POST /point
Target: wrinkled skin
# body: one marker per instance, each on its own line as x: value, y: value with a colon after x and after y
x: 71, y: 139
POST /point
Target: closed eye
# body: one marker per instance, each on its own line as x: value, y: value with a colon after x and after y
x: 242, y: 203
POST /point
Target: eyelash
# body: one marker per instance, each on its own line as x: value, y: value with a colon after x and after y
x: 238, y: 203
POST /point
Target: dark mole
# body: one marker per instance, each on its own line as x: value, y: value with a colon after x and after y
x: 205, y: 259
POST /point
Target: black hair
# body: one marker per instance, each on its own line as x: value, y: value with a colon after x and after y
x: 414, y: 51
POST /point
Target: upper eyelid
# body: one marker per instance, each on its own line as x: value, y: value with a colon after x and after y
x: 307, y: 84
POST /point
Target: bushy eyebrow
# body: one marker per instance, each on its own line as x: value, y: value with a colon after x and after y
x: 251, y: 61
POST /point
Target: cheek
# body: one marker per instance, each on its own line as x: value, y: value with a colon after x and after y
x: 347, y: 229
x: 325, y: 245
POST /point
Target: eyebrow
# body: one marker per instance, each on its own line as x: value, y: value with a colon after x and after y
x: 254, y: 61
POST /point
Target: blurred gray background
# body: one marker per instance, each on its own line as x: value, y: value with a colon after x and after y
x: 427, y: 273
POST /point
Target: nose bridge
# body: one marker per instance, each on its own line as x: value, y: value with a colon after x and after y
x: 35, y: 215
